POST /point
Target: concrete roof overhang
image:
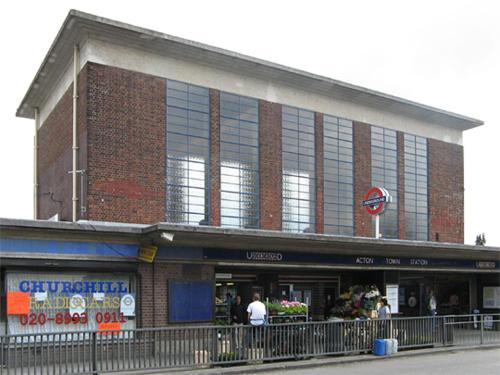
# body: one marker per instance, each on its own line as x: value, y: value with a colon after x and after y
x: 242, y: 239
x: 80, y: 26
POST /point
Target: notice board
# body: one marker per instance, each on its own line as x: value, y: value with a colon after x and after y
x: 190, y: 301
x: 392, y: 294
x: 491, y: 297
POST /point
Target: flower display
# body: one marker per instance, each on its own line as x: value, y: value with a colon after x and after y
x: 287, y: 308
x: 357, y: 302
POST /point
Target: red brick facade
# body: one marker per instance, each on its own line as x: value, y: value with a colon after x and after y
x: 362, y: 178
x: 446, y: 191
x: 401, y: 184
x: 126, y: 146
x: 214, y: 158
x: 270, y: 162
x: 122, y: 131
x: 55, y: 155
x: 320, y: 201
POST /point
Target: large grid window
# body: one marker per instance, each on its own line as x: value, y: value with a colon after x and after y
x: 385, y: 174
x: 188, y: 135
x: 338, y: 176
x: 416, y: 211
x: 239, y: 155
x: 299, y: 171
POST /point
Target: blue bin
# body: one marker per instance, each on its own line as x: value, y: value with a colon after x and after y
x: 379, y: 347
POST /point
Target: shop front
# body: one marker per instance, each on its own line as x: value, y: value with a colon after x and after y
x: 316, y: 290
x: 324, y: 282
x: 62, y: 301
x: 73, y: 278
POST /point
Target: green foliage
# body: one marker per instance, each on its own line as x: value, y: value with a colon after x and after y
x: 287, y: 308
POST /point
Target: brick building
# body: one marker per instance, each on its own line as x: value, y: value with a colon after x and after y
x: 257, y: 170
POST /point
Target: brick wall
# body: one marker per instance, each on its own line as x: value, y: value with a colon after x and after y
x: 126, y: 145
x: 215, y: 157
x: 362, y: 178
x: 401, y: 184
x: 446, y: 191
x: 320, y: 201
x: 55, y: 155
x: 270, y: 161
x: 122, y: 138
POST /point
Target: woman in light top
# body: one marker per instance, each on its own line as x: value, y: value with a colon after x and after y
x: 384, y: 313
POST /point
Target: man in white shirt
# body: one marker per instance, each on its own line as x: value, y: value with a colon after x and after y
x: 256, y: 317
x: 256, y: 311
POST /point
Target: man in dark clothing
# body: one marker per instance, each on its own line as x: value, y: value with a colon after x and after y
x: 238, y: 319
x: 238, y: 312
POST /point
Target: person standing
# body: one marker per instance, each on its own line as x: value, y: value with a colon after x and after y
x: 256, y: 311
x: 256, y: 317
x: 238, y: 319
x: 432, y: 304
x: 432, y: 307
x: 384, y: 314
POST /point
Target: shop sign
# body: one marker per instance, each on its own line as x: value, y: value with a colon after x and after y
x: 487, y: 265
x: 223, y: 276
x: 127, y: 305
x: 77, y: 304
x: 65, y: 286
x: 264, y: 256
x: 303, y: 257
x: 147, y: 253
x: 376, y: 200
x: 39, y: 302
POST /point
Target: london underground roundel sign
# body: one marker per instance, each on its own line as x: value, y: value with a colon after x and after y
x: 376, y: 200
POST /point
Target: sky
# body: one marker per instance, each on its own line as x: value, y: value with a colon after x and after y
x: 441, y: 53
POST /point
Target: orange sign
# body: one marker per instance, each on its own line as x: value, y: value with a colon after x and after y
x: 111, y: 326
x: 18, y: 303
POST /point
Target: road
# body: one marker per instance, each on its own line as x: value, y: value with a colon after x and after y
x: 476, y: 362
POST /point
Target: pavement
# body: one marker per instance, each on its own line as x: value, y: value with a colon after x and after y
x: 457, y: 360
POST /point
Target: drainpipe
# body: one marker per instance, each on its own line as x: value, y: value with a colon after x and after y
x: 76, y: 66
x: 35, y: 164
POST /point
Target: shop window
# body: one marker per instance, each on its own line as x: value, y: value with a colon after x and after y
x: 190, y: 301
x: 40, y: 302
x: 299, y: 170
x: 416, y: 208
x: 338, y: 176
x: 239, y: 155
x: 384, y: 151
x: 188, y: 137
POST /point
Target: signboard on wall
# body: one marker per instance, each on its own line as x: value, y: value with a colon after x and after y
x: 190, y: 301
x: 491, y: 297
x: 392, y: 294
x: 278, y: 257
x: 39, y: 302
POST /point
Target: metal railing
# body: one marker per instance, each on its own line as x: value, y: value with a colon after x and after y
x: 174, y: 347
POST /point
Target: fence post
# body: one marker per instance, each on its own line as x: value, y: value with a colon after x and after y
x: 482, y: 330
x: 445, y: 332
x: 94, y: 353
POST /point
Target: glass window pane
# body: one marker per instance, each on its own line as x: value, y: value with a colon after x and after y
x: 239, y: 141
x: 416, y: 213
x: 299, y: 173
x: 338, y: 176
x: 187, y: 154
x: 385, y: 174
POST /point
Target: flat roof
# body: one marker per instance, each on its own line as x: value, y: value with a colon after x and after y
x: 79, y: 26
x: 244, y: 239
